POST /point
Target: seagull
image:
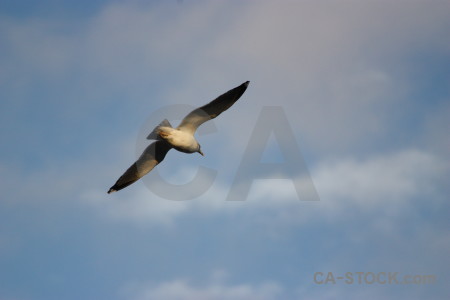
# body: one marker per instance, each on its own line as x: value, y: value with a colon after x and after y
x: 181, y: 138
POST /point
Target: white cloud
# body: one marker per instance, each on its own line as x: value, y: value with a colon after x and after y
x: 339, y: 72
x: 382, y: 179
x: 331, y: 69
x: 182, y: 289
x: 388, y: 183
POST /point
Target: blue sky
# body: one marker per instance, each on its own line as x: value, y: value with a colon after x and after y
x: 364, y: 87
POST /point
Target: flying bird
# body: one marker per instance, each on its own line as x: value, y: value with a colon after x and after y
x: 180, y: 138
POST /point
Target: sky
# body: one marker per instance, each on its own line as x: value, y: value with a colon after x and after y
x: 336, y: 157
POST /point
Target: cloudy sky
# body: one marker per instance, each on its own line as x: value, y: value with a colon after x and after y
x: 348, y: 106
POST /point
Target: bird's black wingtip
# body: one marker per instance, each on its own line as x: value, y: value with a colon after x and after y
x: 112, y: 190
x: 247, y: 83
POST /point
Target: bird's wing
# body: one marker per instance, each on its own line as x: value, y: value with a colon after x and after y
x: 152, y: 155
x: 198, y: 116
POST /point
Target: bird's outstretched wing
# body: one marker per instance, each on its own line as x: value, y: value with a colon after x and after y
x: 198, y: 116
x: 152, y: 155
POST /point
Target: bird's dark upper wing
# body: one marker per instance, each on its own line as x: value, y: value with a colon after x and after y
x: 211, y: 110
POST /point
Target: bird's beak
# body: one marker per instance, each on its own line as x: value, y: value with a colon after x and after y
x: 200, y: 151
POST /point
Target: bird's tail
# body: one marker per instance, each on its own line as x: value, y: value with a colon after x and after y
x: 154, y: 135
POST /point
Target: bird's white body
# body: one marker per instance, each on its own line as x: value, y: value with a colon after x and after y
x: 181, y: 140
